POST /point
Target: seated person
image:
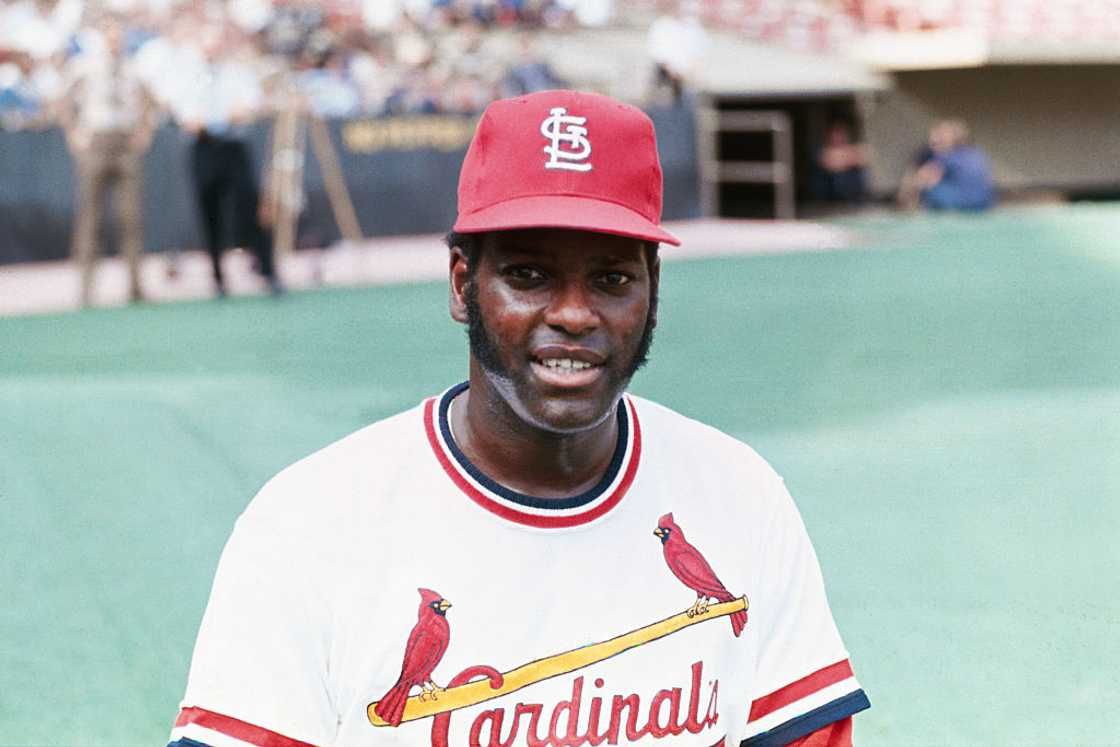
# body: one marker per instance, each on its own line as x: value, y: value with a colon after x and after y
x: 840, y: 167
x: 953, y: 174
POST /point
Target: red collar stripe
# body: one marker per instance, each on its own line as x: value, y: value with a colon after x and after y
x: 541, y: 518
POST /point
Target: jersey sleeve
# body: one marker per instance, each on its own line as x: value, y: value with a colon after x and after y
x: 259, y: 674
x: 836, y: 734
x: 803, y: 679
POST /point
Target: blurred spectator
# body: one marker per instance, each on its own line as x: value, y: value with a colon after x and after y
x: 35, y: 36
x: 951, y: 174
x: 290, y: 30
x: 41, y: 29
x: 225, y: 96
x: 676, y: 43
x: 592, y: 13
x: 840, y: 167
x: 251, y: 16
x: 370, y: 66
x: 109, y: 118
x: 415, y: 94
x: 466, y: 94
x: 412, y: 47
x: 530, y: 72
x: 165, y: 61
x: 21, y: 103
x: 380, y: 15
x: 328, y: 88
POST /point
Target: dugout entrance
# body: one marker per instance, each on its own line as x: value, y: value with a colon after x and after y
x: 757, y: 152
x: 762, y: 113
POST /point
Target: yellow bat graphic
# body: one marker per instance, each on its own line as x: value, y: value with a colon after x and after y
x: 480, y: 691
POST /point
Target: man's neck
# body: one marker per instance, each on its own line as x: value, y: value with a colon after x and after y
x: 523, y: 457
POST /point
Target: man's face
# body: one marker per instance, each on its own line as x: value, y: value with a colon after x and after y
x: 114, y: 39
x: 943, y: 137
x: 559, y: 321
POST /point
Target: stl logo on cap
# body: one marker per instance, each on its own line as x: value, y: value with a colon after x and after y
x: 503, y: 187
x: 569, y: 147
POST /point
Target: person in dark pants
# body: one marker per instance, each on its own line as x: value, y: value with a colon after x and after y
x: 225, y: 96
x: 224, y: 180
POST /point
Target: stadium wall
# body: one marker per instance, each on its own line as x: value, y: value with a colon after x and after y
x: 1045, y: 126
x: 401, y: 173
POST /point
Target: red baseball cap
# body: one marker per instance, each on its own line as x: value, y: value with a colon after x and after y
x: 563, y: 159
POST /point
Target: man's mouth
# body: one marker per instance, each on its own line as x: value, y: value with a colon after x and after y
x: 569, y: 371
x: 564, y: 364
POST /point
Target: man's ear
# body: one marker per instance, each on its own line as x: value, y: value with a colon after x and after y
x: 459, y: 276
x: 654, y: 287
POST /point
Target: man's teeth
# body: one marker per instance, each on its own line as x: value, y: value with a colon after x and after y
x: 566, y: 364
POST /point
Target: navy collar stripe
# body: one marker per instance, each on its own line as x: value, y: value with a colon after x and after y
x: 521, y: 499
x: 519, y: 508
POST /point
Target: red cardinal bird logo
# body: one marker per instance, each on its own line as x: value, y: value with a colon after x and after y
x: 426, y: 645
x: 688, y: 565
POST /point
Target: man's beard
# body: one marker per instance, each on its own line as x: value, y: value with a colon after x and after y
x: 485, y: 349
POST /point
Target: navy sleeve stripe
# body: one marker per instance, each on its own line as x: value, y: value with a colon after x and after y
x: 186, y: 742
x: 808, y: 723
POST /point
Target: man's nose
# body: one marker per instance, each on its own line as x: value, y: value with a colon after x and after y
x: 571, y: 310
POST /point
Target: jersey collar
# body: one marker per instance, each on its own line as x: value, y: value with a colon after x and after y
x: 528, y: 510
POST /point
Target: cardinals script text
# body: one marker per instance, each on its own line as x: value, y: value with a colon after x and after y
x: 617, y: 719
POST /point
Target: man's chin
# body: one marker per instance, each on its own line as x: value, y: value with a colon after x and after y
x: 564, y: 417
x: 568, y: 410
x: 559, y: 410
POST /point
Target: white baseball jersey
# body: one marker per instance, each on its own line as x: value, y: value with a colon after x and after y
x: 568, y: 625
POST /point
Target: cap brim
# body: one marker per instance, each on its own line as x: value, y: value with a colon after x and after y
x: 564, y: 211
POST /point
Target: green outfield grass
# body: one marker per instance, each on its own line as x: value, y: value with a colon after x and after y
x: 943, y: 402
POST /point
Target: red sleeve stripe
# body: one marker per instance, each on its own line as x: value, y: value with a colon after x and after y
x: 802, y: 688
x: 236, y: 728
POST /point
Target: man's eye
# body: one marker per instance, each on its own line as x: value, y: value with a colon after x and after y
x: 615, y: 278
x: 525, y: 274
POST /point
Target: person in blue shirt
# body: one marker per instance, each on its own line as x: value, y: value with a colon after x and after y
x: 953, y: 174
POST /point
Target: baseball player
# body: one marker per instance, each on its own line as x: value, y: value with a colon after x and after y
x: 533, y: 557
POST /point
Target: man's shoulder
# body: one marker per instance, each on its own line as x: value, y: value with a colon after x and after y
x: 686, y: 437
x: 333, y: 475
x: 718, y: 477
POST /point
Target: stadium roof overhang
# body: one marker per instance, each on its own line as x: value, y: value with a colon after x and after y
x: 892, y: 51
x: 1023, y: 52
x: 616, y: 61
x: 734, y: 67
